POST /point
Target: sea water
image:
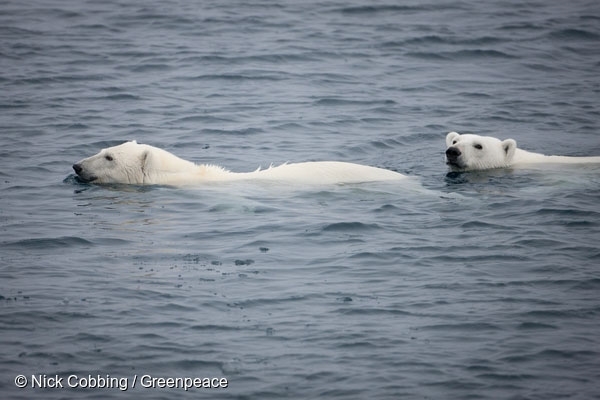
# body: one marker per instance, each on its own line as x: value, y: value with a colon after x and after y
x: 452, y: 285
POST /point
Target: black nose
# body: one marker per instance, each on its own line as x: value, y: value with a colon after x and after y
x: 77, y: 168
x: 453, y: 153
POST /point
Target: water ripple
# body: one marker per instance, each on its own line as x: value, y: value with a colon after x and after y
x: 461, y: 285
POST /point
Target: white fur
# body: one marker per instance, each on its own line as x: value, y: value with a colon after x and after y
x: 473, y: 152
x: 141, y: 164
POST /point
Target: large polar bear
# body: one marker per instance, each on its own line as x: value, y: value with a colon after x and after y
x: 473, y: 152
x: 141, y: 164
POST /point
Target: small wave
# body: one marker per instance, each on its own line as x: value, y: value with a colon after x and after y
x: 45, y: 80
x: 175, y: 308
x: 589, y: 284
x: 513, y: 26
x: 349, y: 227
x: 121, y: 96
x: 331, y: 101
x: 475, y: 95
x: 150, y: 67
x: 96, y: 27
x: 213, y: 328
x: 392, y: 8
x: 541, y: 67
x: 373, y: 311
x: 379, y: 144
x: 270, y: 302
x: 574, y: 34
x: 506, y: 377
x: 192, y: 365
x: 235, y: 132
x: 462, y: 55
x: 424, y: 55
x: 63, y: 242
x: 421, y: 40
x: 553, y: 315
x: 10, y: 31
x: 445, y: 40
x: 528, y: 326
x: 550, y: 354
x: 77, y: 126
x: 48, y: 243
x: 15, y: 104
x: 562, y: 354
x: 88, y: 337
x: 377, y: 9
x: 236, y: 77
x: 370, y: 256
x: 202, y: 119
x: 469, y: 327
x: 385, y: 208
x: 73, y: 179
x: 480, y: 225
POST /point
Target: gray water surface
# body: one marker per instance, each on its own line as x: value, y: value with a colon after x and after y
x: 465, y: 286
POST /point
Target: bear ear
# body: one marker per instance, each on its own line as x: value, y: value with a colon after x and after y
x: 509, y: 146
x: 450, y: 138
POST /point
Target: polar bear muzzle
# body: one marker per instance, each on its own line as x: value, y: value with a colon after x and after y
x: 82, y: 174
x: 452, y: 156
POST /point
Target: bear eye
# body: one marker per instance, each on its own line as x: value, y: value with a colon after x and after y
x: 108, y: 157
x: 478, y: 146
x: 454, y: 142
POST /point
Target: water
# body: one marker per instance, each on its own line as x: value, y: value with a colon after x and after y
x: 476, y: 285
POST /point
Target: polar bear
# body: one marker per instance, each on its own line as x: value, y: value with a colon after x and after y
x: 473, y: 152
x: 142, y: 164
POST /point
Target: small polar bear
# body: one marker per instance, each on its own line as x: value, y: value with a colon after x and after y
x: 142, y: 164
x: 473, y: 152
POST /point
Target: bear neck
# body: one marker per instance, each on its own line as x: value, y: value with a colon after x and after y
x: 527, y: 157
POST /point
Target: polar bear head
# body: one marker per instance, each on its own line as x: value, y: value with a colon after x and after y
x: 473, y: 152
x: 133, y: 163
x: 125, y: 163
